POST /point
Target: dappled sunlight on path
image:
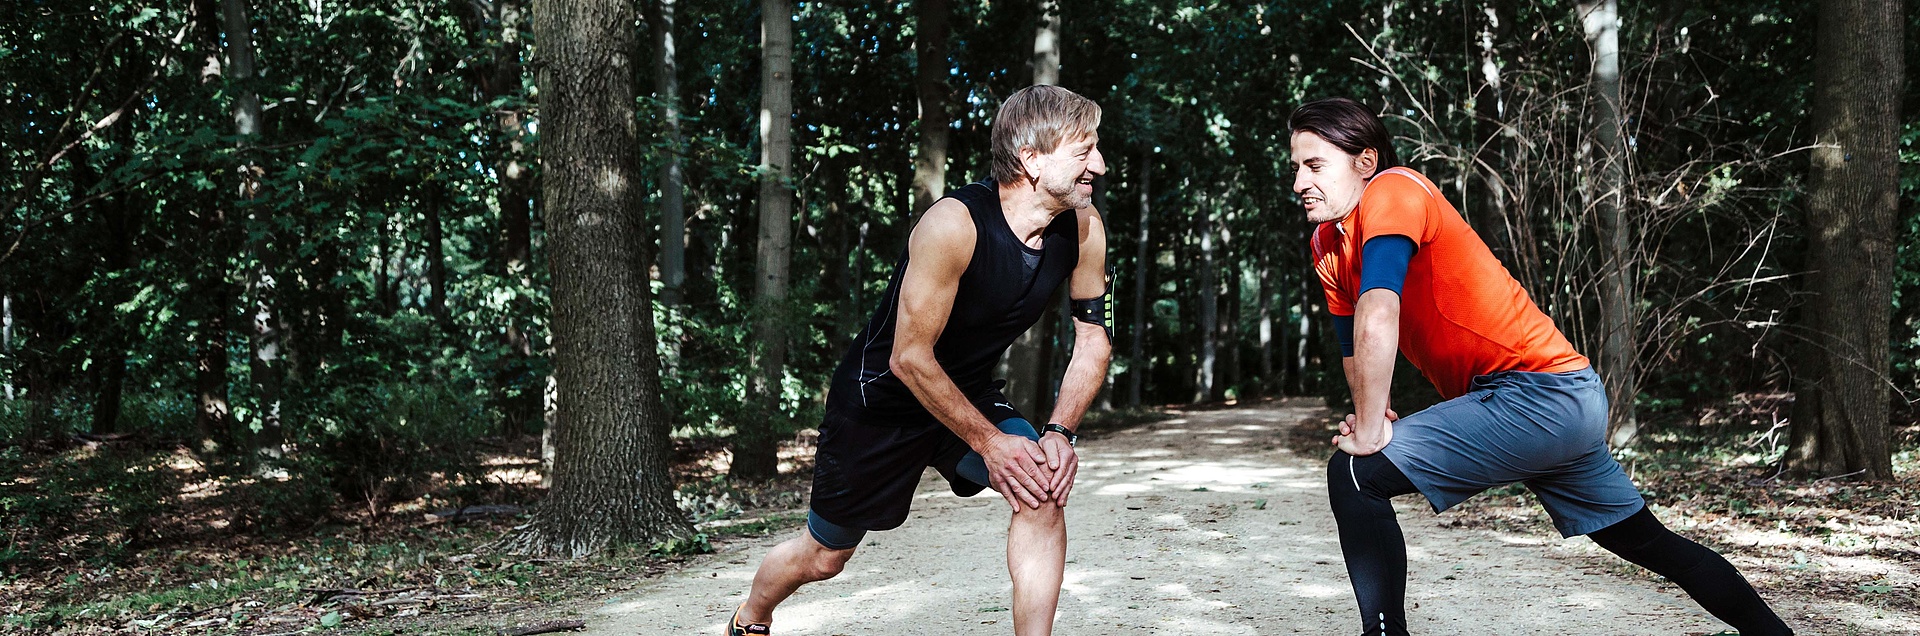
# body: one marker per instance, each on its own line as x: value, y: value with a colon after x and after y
x: 1200, y: 524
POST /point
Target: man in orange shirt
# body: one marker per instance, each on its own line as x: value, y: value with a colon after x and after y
x: 1402, y: 270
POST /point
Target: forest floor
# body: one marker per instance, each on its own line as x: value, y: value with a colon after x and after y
x: 1184, y: 521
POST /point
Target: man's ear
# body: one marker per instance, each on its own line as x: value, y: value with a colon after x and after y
x: 1367, y: 162
x: 1030, y: 163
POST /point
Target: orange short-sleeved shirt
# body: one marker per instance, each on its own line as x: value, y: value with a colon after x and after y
x: 1461, y: 314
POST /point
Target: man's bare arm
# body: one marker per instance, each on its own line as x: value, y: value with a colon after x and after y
x: 937, y: 254
x: 1376, y: 338
x: 1092, y: 350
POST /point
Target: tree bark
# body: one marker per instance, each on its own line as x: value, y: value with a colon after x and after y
x: 1619, y: 345
x: 6, y: 341
x: 673, y: 207
x: 1206, y: 302
x: 266, y: 334
x: 1229, y: 327
x: 1265, y: 308
x: 1137, y: 363
x: 756, y: 444
x: 1026, y: 361
x: 930, y: 49
x: 435, y: 197
x: 611, y: 481
x: 1046, y: 45
x: 1840, y: 419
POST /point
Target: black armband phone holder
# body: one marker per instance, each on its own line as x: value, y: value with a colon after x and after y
x: 1097, y: 311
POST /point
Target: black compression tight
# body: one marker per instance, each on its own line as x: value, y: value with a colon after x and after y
x: 1703, y: 573
x: 1360, y: 489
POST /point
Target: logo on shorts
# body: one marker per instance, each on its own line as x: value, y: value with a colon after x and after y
x: 1003, y: 405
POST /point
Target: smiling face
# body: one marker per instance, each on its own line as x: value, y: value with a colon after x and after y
x: 1328, y: 179
x: 1067, y: 173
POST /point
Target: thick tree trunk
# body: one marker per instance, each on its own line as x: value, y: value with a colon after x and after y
x: 1137, y: 363
x: 1618, y: 345
x: 930, y: 49
x: 1046, y: 44
x: 673, y: 207
x: 1840, y: 419
x: 756, y: 444
x: 611, y: 479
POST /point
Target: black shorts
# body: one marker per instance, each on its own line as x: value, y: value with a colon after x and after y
x: 864, y: 474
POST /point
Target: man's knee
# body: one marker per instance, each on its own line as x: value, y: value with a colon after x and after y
x: 825, y: 563
x: 1363, y: 484
x: 1047, y: 514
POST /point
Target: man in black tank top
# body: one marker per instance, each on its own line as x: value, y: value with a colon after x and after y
x: 915, y: 389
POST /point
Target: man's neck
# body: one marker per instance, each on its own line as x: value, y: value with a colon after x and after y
x: 1028, y: 210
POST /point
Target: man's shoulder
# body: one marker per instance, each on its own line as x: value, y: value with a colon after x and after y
x: 945, y: 235
x: 1396, y: 185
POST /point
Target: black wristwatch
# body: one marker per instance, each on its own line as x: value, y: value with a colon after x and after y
x: 1053, y: 427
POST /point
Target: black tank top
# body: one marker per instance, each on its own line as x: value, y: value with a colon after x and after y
x: 999, y: 298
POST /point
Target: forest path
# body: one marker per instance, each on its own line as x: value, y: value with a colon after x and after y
x: 1202, y: 524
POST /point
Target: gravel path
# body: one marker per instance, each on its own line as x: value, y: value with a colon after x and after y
x: 1202, y: 524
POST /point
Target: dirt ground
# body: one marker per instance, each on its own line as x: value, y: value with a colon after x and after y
x: 1202, y: 524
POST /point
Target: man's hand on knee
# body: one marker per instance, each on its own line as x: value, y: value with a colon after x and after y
x: 1017, y: 469
x: 1064, y: 463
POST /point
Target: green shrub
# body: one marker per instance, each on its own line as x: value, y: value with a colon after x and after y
x: 375, y: 443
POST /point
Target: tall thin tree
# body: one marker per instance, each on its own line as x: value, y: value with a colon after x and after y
x: 1027, y: 359
x: 264, y: 365
x: 611, y: 481
x: 673, y: 206
x: 755, y: 446
x: 1046, y: 44
x: 1137, y: 363
x: 1206, y: 299
x: 1840, y: 416
x: 1618, y: 343
x: 930, y: 50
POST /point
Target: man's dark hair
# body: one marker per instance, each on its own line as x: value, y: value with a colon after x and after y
x: 1347, y: 125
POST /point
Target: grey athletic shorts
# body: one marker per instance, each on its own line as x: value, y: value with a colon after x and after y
x: 1545, y: 430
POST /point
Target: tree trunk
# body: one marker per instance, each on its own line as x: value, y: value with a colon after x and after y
x: 1046, y: 45
x: 6, y: 341
x: 1206, y: 302
x: 930, y: 48
x: 673, y: 207
x: 1137, y: 363
x: 520, y: 386
x: 1229, y: 328
x: 756, y: 444
x: 264, y: 364
x: 1618, y: 345
x: 1264, y: 306
x: 435, y: 197
x: 611, y: 479
x: 1026, y: 361
x: 1840, y: 419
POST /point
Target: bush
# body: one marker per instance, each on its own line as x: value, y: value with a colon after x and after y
x: 375, y: 443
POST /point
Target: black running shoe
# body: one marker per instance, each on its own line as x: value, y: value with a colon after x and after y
x: 734, y: 628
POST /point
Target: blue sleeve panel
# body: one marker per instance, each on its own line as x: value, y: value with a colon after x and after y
x: 1382, y: 266
x: 1343, y: 329
x: 1383, y: 263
